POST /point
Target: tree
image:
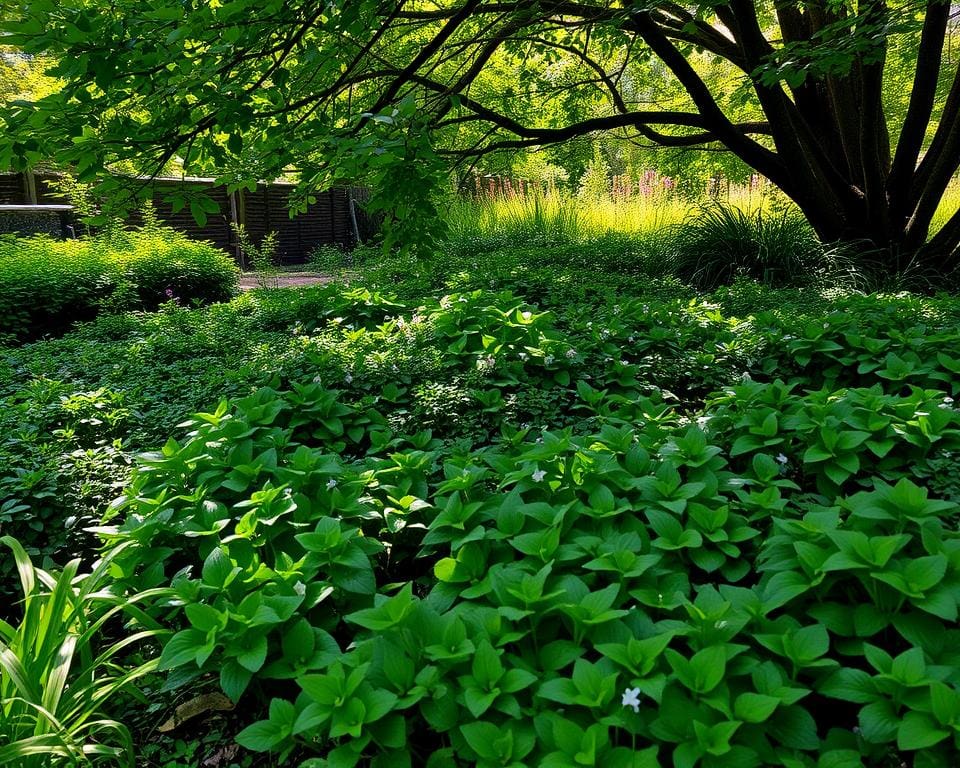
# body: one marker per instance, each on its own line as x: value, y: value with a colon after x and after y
x: 342, y: 89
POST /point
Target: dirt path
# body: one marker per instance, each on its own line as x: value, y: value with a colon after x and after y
x: 249, y: 281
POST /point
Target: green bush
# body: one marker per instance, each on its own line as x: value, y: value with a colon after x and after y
x: 162, y: 264
x: 46, y: 286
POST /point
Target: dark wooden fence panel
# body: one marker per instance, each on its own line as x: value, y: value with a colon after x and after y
x: 326, y: 222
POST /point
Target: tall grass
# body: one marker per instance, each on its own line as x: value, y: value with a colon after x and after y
x: 508, y: 215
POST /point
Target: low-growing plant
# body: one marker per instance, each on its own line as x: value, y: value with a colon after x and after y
x: 656, y: 593
x: 60, y: 672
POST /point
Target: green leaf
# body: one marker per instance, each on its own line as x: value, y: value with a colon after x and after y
x: 919, y: 731
x: 182, y: 648
x: 481, y: 737
x: 879, y: 722
x: 262, y: 736
x: 234, y: 679
x: 254, y: 655
x: 754, y: 707
x: 218, y: 569
x: 850, y: 684
x: 487, y: 668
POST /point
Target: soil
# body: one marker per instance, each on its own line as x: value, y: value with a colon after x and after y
x: 250, y: 281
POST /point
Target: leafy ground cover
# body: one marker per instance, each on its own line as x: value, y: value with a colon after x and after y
x: 518, y: 515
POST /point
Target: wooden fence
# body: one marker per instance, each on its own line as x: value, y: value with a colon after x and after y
x: 337, y: 218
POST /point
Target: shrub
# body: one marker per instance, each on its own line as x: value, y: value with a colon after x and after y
x: 48, y: 285
x: 162, y: 264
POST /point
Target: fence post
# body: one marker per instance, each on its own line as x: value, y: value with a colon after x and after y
x: 30, y: 187
x: 238, y: 218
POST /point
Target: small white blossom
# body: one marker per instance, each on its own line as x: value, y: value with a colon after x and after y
x: 331, y: 484
x: 631, y: 698
x: 539, y: 475
x: 782, y: 458
x: 548, y: 360
x: 523, y: 355
x: 571, y: 353
x: 526, y: 315
x: 348, y: 378
x: 462, y: 299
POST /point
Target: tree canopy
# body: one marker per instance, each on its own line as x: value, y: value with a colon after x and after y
x: 851, y: 108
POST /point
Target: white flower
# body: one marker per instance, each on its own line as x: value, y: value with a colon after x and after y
x: 331, y: 484
x: 571, y: 353
x: 348, y: 378
x: 462, y: 299
x: 526, y: 315
x: 548, y: 360
x: 523, y: 355
x: 539, y: 475
x: 631, y: 698
x: 745, y: 376
x: 782, y: 459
